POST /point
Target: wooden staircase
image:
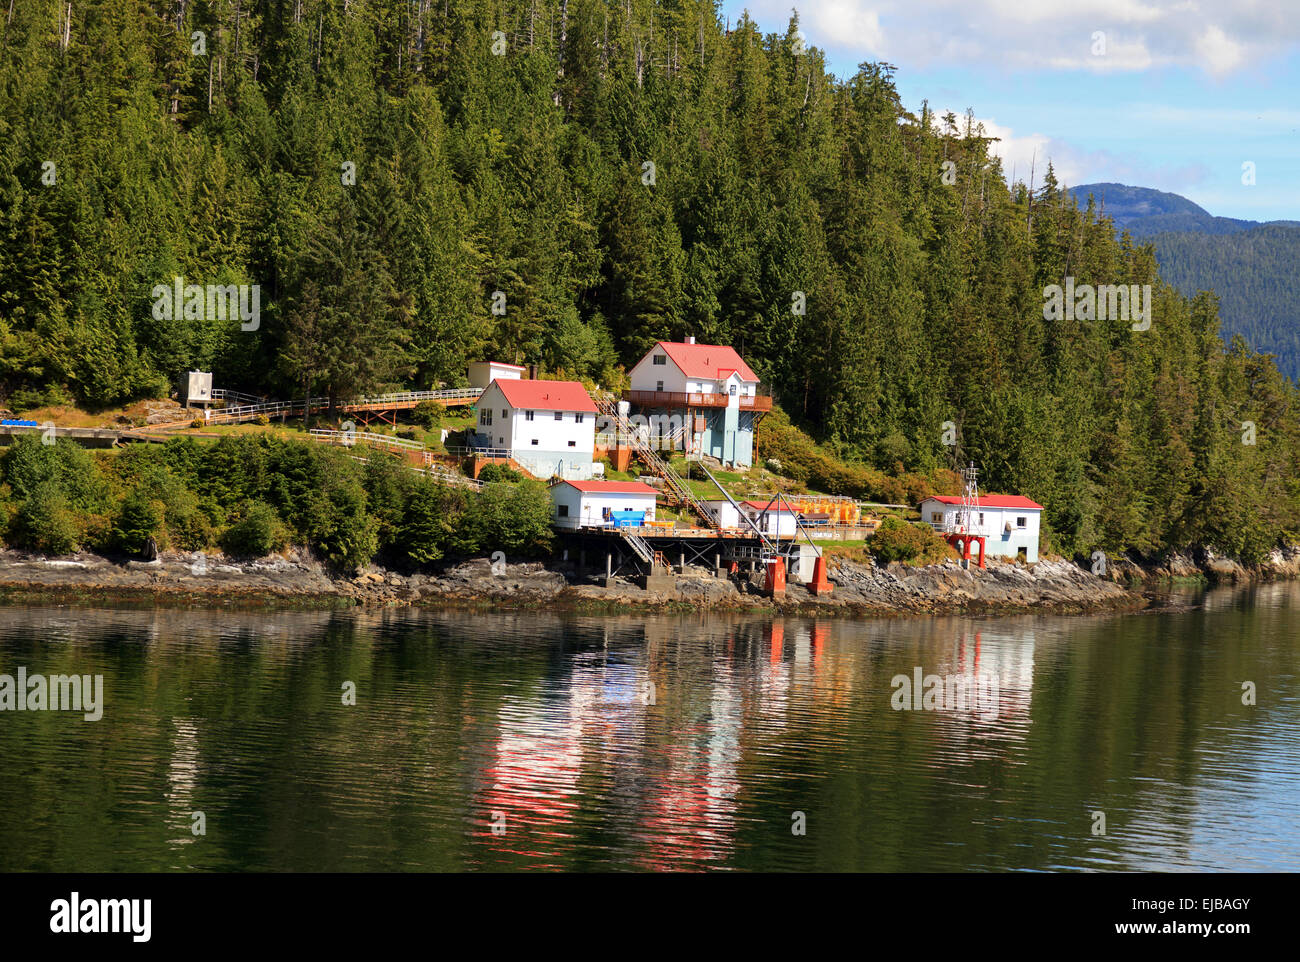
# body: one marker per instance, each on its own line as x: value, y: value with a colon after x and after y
x: 677, y: 491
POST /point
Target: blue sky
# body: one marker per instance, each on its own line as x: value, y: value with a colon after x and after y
x: 1177, y: 94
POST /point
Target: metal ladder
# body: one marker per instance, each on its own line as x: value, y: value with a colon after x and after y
x: 638, y: 544
x: 677, y: 490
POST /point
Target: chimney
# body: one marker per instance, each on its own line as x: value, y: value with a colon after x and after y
x: 690, y: 338
x: 532, y: 372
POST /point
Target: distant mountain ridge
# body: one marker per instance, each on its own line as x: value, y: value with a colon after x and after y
x: 1253, y: 266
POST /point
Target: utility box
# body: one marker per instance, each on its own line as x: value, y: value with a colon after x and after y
x: 198, y: 387
x: 483, y: 373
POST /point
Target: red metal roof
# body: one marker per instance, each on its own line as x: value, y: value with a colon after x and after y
x: 546, y: 395
x: 707, y: 360
x: 613, y: 487
x: 991, y: 501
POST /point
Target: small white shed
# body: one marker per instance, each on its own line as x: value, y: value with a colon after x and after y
x: 586, y: 504
x: 779, y: 522
x: 724, y: 513
x: 483, y: 373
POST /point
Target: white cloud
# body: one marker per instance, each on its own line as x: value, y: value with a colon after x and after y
x: 1027, y: 154
x: 1215, y: 36
x: 1221, y: 53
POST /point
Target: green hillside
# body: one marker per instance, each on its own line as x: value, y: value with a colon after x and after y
x: 603, y: 175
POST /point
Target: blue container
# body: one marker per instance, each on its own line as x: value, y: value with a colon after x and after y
x: 627, y: 519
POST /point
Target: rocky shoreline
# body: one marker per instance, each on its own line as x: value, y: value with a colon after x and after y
x: 860, y: 588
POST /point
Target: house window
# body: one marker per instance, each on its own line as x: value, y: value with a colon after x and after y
x: 1020, y: 522
x: 577, y: 419
x: 659, y: 385
x: 732, y: 390
x: 936, y: 517
x: 485, y: 417
x: 534, y: 441
x: 528, y: 415
x: 573, y: 444
x: 505, y: 414
x: 564, y: 510
x: 659, y: 359
x: 559, y: 415
x: 981, y: 517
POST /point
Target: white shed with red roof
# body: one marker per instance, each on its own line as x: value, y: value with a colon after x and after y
x: 587, y: 504
x: 1008, y: 522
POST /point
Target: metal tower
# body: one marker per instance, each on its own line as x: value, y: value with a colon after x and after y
x: 968, y: 518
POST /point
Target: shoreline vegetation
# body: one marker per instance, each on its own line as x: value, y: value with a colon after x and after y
x: 390, y: 211
x: 263, y: 519
x: 861, y: 589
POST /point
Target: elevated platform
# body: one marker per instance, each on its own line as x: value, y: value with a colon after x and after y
x: 675, y: 399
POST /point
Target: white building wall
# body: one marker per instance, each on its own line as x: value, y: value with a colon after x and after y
x: 998, y: 541
x: 725, y: 513
x: 588, y: 509
x: 566, y: 445
x: 777, y: 523
x: 483, y: 373
x: 646, y: 374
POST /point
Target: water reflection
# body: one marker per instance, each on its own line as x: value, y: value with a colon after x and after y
x: 654, y: 743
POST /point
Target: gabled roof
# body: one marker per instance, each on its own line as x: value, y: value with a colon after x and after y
x: 546, y: 395
x: 612, y: 487
x: 711, y: 361
x: 991, y: 501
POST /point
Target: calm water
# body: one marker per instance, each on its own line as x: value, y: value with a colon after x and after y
x: 524, y: 741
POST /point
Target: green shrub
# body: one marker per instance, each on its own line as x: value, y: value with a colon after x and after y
x: 514, y: 518
x: 340, y: 528
x: 44, y: 522
x: 897, y: 540
x: 433, y: 512
x: 29, y: 463
x: 197, y: 423
x: 28, y: 399
x: 138, y: 519
x: 258, y: 532
x: 493, y: 473
x: 427, y: 414
x: 262, y: 420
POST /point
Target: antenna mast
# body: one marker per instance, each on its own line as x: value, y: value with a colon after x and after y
x: 970, y: 501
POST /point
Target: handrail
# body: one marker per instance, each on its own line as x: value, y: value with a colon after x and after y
x: 676, y: 486
x: 365, y: 437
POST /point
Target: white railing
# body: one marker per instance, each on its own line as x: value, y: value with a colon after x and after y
x: 253, y: 407
x: 414, y: 397
x: 221, y: 394
x: 349, y: 438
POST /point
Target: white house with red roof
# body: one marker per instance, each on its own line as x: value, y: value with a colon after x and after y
x: 777, y: 521
x: 708, y: 394
x: 588, y: 504
x: 547, y: 427
x: 1008, y: 522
